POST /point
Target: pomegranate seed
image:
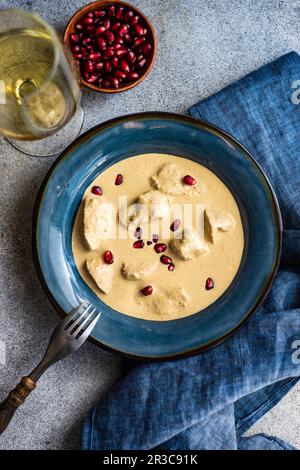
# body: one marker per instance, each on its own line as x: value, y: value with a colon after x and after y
x: 89, y: 66
x: 99, y: 13
x: 110, y: 36
x: 78, y: 56
x: 79, y: 27
x: 160, y: 247
x: 88, y: 21
x: 142, y: 63
x: 120, y: 52
x: 189, y: 180
x: 132, y: 75
x: 119, y: 74
x: 123, y: 30
x: 75, y: 49
x: 100, y: 30
x: 102, y: 43
x: 114, y: 82
x: 120, y: 13
x: 118, y: 180
x: 105, y: 84
x: 90, y: 14
x: 149, y: 242
x: 115, y: 62
x: 107, y: 67
x: 117, y: 45
x: 106, y: 24
x: 138, y: 29
x: 147, y: 49
x: 147, y: 290
x: 131, y: 57
x: 155, y: 238
x: 97, y: 190
x: 109, y: 53
x: 171, y: 267
x: 108, y: 257
x: 134, y: 20
x: 128, y: 15
x: 94, y: 55
x: 116, y: 26
x: 124, y: 66
x: 83, y: 51
x: 139, y: 41
x: 86, y: 41
x: 99, y: 65
x: 209, y: 284
x: 138, y: 244
x: 74, y: 38
x: 90, y: 29
x: 127, y: 38
x: 92, y: 79
x: 175, y: 225
x: 165, y: 259
x: 111, y: 11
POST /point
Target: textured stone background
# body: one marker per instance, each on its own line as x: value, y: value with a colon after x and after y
x: 203, y: 46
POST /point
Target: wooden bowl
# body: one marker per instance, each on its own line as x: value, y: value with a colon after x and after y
x: 96, y: 6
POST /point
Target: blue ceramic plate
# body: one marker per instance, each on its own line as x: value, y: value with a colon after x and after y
x: 92, y: 153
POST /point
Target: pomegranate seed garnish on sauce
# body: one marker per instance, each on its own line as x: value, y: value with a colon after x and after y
x: 119, y: 180
x: 138, y: 244
x: 147, y: 290
x: 155, y: 238
x: 108, y: 257
x: 171, y: 267
x: 160, y: 247
x: 189, y: 180
x: 209, y: 284
x: 165, y: 259
x: 149, y: 242
x: 97, y: 190
x: 175, y: 225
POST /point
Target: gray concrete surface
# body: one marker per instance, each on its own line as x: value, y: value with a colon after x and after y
x: 203, y: 46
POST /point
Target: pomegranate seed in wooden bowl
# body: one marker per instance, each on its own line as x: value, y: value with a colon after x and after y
x: 117, y: 36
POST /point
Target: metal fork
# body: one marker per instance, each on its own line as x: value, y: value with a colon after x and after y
x: 67, y: 337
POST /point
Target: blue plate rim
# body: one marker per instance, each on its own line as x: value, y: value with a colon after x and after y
x: 188, y: 120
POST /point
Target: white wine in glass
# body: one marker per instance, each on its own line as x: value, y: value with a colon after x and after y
x: 39, y: 85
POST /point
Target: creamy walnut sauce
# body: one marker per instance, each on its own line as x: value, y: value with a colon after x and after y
x: 183, y: 270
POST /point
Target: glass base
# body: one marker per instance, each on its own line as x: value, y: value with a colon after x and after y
x: 55, y: 143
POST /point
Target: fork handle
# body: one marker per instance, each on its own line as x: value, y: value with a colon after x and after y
x: 14, y: 399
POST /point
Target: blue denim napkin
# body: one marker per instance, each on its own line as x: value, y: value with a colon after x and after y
x: 209, y: 401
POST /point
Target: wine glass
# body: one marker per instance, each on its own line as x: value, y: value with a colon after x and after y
x: 39, y: 86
